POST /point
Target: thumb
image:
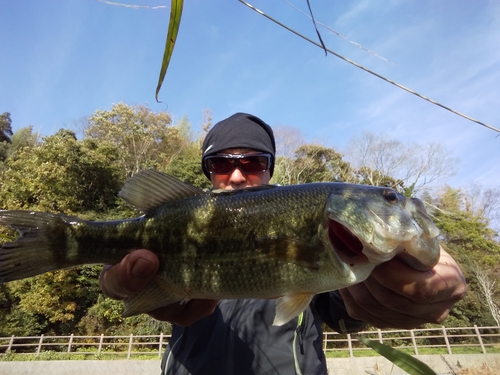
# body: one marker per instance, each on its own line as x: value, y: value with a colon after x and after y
x: 129, y: 276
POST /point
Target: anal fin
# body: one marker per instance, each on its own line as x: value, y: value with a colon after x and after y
x: 289, y: 306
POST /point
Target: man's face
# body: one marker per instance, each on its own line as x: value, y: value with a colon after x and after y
x: 237, y: 179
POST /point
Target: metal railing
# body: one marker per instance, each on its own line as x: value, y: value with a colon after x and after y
x: 481, y: 339
x: 415, y: 341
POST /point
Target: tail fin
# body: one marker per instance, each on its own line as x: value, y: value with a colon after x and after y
x: 42, y: 244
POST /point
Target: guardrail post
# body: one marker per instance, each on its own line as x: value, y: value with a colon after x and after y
x: 160, y: 345
x: 100, y: 344
x: 39, y: 345
x: 349, y: 343
x: 380, y: 336
x: 130, y: 345
x: 69, y: 343
x: 414, y: 341
x: 11, y: 342
x: 446, y: 340
x: 483, y: 349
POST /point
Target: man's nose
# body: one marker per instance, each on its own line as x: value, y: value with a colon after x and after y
x: 237, y: 177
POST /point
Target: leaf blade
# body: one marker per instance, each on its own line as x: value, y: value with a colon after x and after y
x: 406, y: 362
x: 173, y: 29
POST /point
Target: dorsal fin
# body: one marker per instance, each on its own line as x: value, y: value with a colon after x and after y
x: 244, y: 190
x: 150, y: 189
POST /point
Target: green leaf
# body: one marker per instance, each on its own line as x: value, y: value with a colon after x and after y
x: 404, y: 361
x: 8, y: 238
x: 173, y: 28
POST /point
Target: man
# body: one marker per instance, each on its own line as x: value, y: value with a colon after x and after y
x: 237, y: 336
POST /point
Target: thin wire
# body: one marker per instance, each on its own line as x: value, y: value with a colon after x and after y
x: 370, y: 71
x: 132, y: 6
x: 337, y: 33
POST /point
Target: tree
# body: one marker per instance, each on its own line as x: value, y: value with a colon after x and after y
x: 62, y: 174
x: 186, y: 166
x: 298, y: 162
x: 5, y: 134
x: 55, y: 301
x: 144, y: 139
x: 59, y: 174
x: 487, y: 285
x: 5, y: 127
x: 312, y: 163
x: 24, y: 137
x: 469, y: 239
x: 483, y: 202
x: 412, y: 166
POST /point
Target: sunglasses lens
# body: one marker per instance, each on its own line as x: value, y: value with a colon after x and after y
x: 219, y: 165
x: 247, y: 164
x: 253, y: 164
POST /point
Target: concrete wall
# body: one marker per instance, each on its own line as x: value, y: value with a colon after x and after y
x: 446, y: 364
x: 441, y: 364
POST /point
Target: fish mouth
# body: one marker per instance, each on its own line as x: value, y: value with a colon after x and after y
x: 347, y: 246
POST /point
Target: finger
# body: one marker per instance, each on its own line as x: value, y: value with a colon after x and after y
x: 129, y: 276
x: 444, y: 283
x: 360, y: 311
x: 361, y: 305
x: 185, y: 314
x: 395, y: 307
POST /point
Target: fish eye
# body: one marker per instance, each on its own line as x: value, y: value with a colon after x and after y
x: 391, y: 196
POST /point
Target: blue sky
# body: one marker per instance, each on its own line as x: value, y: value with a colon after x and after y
x: 63, y: 59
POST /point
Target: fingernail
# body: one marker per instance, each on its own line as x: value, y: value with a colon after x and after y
x: 142, y: 269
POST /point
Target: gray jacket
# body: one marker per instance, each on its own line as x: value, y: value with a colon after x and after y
x: 239, y: 338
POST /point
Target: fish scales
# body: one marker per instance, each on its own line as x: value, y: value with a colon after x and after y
x: 236, y: 241
x: 286, y: 242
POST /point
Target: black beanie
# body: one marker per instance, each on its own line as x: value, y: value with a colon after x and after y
x: 241, y: 130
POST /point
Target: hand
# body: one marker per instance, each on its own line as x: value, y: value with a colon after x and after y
x: 134, y: 272
x: 396, y: 296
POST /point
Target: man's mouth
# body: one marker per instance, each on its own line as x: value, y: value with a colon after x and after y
x: 347, y: 246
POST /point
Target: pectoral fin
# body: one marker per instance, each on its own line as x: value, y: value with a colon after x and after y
x: 150, y: 298
x: 290, y: 306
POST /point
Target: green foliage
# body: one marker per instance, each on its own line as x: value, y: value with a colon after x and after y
x: 311, y: 163
x: 367, y: 176
x: 469, y: 239
x: 5, y: 127
x: 143, y: 139
x: 463, y: 231
x: 24, y: 137
x: 105, y: 316
x: 56, y: 300
x: 187, y: 167
x: 61, y: 174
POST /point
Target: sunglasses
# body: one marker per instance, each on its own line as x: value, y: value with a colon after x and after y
x: 247, y: 163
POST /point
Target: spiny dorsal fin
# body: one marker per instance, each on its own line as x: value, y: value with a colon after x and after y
x: 244, y: 190
x: 150, y: 189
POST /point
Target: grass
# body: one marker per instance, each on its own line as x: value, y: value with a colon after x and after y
x: 483, y: 370
x: 82, y: 356
x: 57, y: 356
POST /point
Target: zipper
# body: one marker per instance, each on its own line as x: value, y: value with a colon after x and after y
x: 170, y: 354
x: 230, y: 353
x: 298, y: 340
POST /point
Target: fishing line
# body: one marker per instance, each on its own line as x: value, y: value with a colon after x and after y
x: 368, y: 70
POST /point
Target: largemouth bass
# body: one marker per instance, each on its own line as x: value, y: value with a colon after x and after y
x: 282, y: 242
